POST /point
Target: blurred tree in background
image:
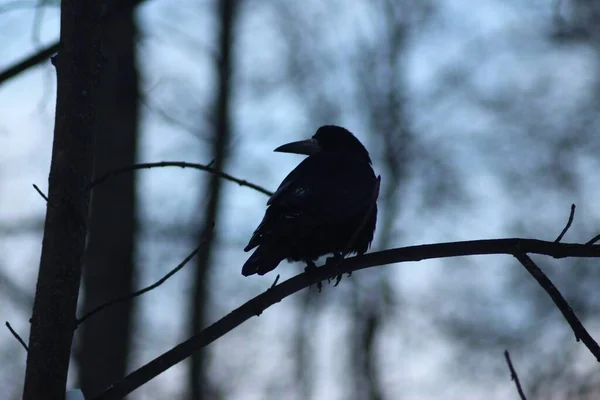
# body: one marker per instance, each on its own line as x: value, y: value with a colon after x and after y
x: 211, y: 198
x: 481, y: 117
x: 105, y: 341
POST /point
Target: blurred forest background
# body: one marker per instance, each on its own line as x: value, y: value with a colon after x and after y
x: 481, y: 116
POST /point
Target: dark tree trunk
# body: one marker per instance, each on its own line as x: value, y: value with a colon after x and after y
x: 53, y: 320
x: 198, y: 386
x: 109, y: 261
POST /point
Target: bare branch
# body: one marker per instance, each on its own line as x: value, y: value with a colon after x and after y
x: 514, y: 376
x: 569, y: 222
x: 165, y: 116
x: 29, y: 62
x: 37, y: 189
x: 140, y: 292
x: 593, y: 240
x: 180, y: 164
x: 48, y: 51
x: 17, y: 336
x: 580, y: 332
x: 277, y: 293
x: 275, y: 281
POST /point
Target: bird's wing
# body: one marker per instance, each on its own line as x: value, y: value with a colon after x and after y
x: 288, y: 211
x: 320, y: 190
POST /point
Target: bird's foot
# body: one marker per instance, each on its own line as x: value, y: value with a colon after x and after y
x: 311, y: 268
x: 335, y: 259
x: 338, y: 278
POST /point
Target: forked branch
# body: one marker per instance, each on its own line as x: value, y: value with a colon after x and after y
x: 516, y: 247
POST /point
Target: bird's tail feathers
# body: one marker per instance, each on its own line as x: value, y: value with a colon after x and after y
x: 263, y: 260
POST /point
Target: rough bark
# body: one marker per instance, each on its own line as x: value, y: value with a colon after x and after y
x: 53, y: 320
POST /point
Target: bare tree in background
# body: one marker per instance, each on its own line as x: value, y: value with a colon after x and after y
x: 380, y: 77
x: 374, y: 73
x: 110, y: 255
x: 546, y: 147
x: 359, y: 83
x: 199, y: 387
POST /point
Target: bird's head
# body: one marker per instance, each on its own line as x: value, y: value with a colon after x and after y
x: 328, y: 138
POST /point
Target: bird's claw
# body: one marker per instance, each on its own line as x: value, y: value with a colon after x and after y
x: 335, y: 260
x: 338, y: 279
x: 310, y: 268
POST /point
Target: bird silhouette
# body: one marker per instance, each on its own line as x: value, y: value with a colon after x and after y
x: 326, y: 205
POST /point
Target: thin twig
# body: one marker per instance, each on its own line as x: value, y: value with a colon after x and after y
x: 165, y: 116
x: 275, y: 281
x: 37, y: 189
x: 16, y: 335
x: 277, y: 293
x: 578, y: 329
x: 569, y: 222
x: 43, y: 54
x: 514, y: 376
x: 593, y: 240
x: 140, y: 292
x: 180, y: 164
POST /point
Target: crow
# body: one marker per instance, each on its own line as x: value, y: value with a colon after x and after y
x: 326, y: 205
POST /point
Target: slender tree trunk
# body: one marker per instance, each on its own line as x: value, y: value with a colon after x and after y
x: 198, y: 377
x: 109, y: 260
x: 387, y: 117
x: 53, y: 320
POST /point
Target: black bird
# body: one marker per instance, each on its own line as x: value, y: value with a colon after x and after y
x: 327, y: 204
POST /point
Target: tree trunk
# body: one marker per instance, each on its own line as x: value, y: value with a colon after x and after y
x: 53, y: 320
x: 198, y: 378
x: 109, y: 260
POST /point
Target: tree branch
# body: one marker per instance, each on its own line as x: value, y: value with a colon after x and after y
x: 593, y: 240
x: 569, y: 222
x: 39, y: 191
x: 514, y: 376
x: 275, y: 294
x: 17, y: 336
x: 47, y: 52
x: 140, y: 292
x: 580, y: 332
x: 180, y: 164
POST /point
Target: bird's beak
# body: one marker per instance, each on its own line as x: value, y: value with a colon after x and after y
x: 308, y: 147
